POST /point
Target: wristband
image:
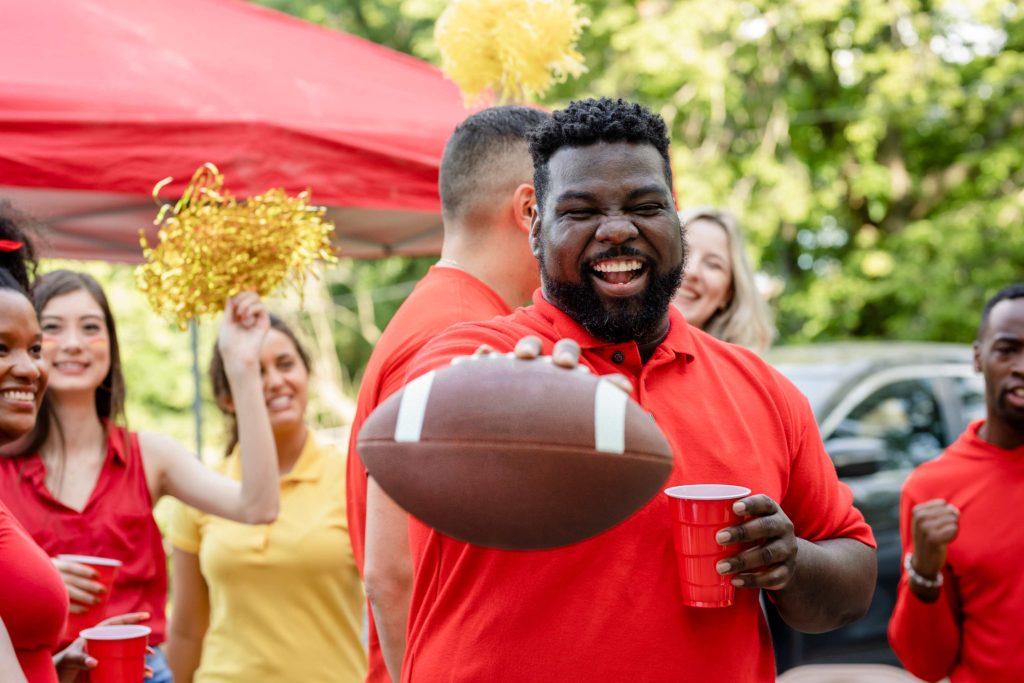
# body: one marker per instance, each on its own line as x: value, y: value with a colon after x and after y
x: 917, y: 578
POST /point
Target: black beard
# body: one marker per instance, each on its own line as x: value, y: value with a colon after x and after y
x: 615, y: 321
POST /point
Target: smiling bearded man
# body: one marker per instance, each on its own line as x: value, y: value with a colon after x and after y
x: 597, y: 295
x: 610, y: 608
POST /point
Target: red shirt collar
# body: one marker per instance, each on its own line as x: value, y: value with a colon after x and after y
x: 679, y: 341
x: 117, y: 449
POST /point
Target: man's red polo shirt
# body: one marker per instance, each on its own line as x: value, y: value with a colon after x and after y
x: 445, y: 296
x: 610, y: 608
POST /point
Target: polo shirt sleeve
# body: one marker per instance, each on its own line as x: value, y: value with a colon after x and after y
x: 819, y: 505
x: 925, y: 636
x: 183, y: 529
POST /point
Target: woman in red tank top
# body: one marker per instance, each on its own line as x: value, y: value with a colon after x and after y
x: 85, y: 485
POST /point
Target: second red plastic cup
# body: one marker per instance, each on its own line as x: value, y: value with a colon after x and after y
x: 106, y: 571
x: 120, y: 651
x: 699, y: 512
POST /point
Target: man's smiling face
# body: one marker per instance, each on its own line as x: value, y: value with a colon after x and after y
x: 608, y: 240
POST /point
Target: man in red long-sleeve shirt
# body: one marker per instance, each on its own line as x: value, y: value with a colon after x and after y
x: 961, y: 595
x: 486, y: 270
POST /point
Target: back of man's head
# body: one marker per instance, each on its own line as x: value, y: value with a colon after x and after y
x: 485, y: 160
x: 587, y: 122
x: 1015, y: 291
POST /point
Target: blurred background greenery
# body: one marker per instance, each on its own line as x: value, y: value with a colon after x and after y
x: 872, y: 148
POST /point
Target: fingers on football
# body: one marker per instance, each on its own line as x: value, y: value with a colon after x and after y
x: 527, y: 348
x: 566, y: 353
x: 483, y: 350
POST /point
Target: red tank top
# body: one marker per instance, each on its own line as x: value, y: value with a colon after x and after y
x: 33, y: 602
x: 117, y: 522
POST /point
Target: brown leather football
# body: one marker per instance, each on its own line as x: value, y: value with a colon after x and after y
x: 515, y: 454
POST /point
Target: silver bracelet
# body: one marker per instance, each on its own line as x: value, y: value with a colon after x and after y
x: 917, y: 578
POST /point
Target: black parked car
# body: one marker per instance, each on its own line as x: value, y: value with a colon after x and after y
x: 883, y: 409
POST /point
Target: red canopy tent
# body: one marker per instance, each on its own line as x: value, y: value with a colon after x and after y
x: 100, y: 99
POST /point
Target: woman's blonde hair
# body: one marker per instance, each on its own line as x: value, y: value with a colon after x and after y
x: 746, y: 318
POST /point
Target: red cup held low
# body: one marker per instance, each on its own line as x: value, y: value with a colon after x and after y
x: 699, y: 512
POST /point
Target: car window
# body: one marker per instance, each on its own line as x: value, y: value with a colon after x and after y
x: 905, y: 415
x: 970, y: 394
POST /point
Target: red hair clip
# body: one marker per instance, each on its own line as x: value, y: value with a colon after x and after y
x: 10, y: 245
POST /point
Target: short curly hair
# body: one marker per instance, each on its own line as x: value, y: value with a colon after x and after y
x: 587, y: 122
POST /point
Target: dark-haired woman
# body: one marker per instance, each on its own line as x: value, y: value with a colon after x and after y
x: 32, y: 596
x: 281, y: 602
x: 33, y: 601
x: 86, y: 485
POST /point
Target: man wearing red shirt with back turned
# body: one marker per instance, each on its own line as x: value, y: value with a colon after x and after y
x: 610, y: 608
x: 961, y: 597
x: 486, y: 270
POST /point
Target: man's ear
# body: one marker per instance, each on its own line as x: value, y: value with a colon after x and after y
x: 977, y: 356
x: 523, y: 202
x: 535, y: 228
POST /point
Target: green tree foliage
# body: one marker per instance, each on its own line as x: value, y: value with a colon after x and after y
x: 871, y: 147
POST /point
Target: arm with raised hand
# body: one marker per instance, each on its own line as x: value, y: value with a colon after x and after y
x: 924, y: 629
x: 179, y: 472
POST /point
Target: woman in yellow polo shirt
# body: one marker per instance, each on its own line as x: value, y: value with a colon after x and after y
x: 276, y: 602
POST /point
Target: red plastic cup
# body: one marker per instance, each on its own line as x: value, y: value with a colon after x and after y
x: 106, y: 571
x: 699, y: 512
x: 120, y: 652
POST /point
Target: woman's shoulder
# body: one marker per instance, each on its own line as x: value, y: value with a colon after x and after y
x: 148, y: 444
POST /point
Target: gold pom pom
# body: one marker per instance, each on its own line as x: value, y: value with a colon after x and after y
x: 515, y: 48
x: 212, y: 246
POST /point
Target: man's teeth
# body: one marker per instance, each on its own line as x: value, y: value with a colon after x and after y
x: 1019, y: 391
x: 280, y: 401
x: 19, y: 395
x: 617, y: 266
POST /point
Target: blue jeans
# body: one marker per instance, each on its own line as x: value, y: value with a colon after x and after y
x: 158, y: 663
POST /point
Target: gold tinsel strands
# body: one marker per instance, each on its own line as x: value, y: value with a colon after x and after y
x: 213, y: 246
x: 516, y: 48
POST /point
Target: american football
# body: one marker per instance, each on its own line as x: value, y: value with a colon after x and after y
x: 515, y: 454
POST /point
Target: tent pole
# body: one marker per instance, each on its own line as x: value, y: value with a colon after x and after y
x: 197, y: 396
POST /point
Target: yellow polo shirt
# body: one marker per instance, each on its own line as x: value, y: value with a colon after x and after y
x: 285, y: 598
